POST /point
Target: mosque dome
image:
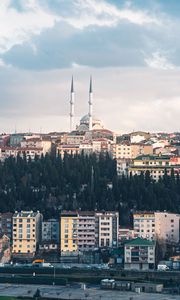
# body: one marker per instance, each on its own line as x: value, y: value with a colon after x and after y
x: 84, y: 123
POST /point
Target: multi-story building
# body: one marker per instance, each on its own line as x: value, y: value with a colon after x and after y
x: 139, y: 254
x: 6, y: 224
x: 67, y: 148
x: 144, y: 225
x: 69, y: 232
x: 31, y: 153
x: 50, y: 231
x: 167, y: 226
x: 107, y: 224
x: 155, y: 165
x: 125, y: 234
x: 86, y: 231
x: 37, y: 143
x: 81, y: 231
x: 157, y: 225
x: 129, y: 151
x: 26, y: 232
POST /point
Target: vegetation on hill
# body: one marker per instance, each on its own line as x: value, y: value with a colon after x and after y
x: 50, y: 184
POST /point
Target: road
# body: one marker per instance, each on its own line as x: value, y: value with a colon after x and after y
x: 75, y: 292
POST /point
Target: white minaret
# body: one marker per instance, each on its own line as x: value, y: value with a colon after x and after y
x: 72, y: 105
x: 90, y: 104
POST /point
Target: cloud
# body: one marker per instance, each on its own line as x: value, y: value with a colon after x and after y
x: 102, y: 13
x: 17, y: 27
x: 159, y: 61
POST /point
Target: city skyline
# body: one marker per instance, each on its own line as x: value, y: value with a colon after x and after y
x: 130, y: 48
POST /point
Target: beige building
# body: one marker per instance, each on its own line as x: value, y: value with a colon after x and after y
x: 157, y: 225
x: 144, y: 225
x: 31, y: 153
x: 69, y: 149
x: 26, y: 232
x: 167, y: 226
x: 156, y: 165
x: 130, y: 151
x: 37, y: 143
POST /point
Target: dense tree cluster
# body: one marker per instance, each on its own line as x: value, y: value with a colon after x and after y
x: 50, y: 184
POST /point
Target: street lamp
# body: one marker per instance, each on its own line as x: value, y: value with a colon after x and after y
x: 54, y: 275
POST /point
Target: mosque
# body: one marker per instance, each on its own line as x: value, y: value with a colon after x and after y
x: 89, y: 121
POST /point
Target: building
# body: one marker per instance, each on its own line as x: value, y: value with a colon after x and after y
x: 37, y: 143
x: 162, y: 226
x: 68, y: 149
x: 87, y: 230
x: 167, y: 226
x: 157, y: 166
x: 50, y: 231
x: 144, y: 225
x: 127, y: 150
x: 68, y: 232
x: 125, y: 234
x: 30, y: 153
x: 6, y: 224
x: 139, y: 254
x: 107, y: 225
x: 26, y: 232
x: 5, y: 249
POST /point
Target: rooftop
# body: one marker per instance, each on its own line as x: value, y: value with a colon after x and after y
x: 140, y: 242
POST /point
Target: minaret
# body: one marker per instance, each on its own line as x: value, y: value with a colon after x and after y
x: 72, y: 105
x: 90, y: 104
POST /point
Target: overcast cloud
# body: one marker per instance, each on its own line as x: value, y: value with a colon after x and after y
x: 131, y: 48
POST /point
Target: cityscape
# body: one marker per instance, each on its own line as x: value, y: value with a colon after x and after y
x: 89, y: 150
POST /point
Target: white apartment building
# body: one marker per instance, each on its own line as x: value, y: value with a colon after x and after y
x: 26, y: 232
x: 139, y: 254
x: 107, y: 224
x: 157, y: 225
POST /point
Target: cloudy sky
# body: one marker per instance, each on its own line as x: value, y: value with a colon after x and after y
x: 131, y: 48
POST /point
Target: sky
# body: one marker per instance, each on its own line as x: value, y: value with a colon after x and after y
x: 131, y: 49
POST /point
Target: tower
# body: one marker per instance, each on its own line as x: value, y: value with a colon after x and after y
x: 72, y: 105
x: 90, y: 104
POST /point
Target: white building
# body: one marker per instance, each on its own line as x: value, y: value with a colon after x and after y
x: 107, y: 224
x: 157, y: 225
x: 139, y: 254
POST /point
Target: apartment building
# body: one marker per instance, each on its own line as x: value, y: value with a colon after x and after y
x: 167, y: 226
x: 6, y: 224
x: 144, y: 225
x: 157, y: 225
x: 38, y: 143
x: 139, y: 254
x: 86, y: 231
x: 81, y: 231
x: 68, y: 232
x: 26, y: 232
x: 107, y: 224
x: 156, y: 165
x: 67, y: 148
x: 129, y: 151
x: 50, y: 231
x: 31, y: 153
